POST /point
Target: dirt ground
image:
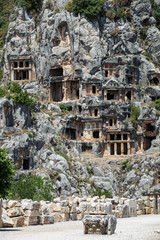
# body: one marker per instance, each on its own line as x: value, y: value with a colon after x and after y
x: 137, y: 228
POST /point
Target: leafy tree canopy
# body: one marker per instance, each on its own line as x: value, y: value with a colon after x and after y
x: 7, y: 172
x: 32, y: 187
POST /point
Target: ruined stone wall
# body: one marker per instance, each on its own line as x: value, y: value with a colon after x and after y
x: 27, y: 212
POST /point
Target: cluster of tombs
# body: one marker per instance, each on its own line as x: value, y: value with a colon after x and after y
x: 104, y: 114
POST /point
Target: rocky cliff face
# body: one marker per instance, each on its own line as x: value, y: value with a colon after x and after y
x: 106, y: 66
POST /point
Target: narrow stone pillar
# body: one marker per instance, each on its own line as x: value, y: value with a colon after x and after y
x: 128, y: 148
x: 30, y: 75
x: 122, y: 148
x: 115, y: 148
x: 12, y: 75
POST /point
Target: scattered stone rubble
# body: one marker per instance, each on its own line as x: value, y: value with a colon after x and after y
x: 28, y: 212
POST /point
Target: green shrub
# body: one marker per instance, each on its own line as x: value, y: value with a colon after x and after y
x: 32, y: 187
x: 135, y: 112
x: 69, y: 7
x: 24, y: 99
x: 90, y: 170
x: 100, y: 192
x: 65, y: 108
x: 124, y: 164
x: 157, y: 104
x: 15, y: 87
x: 2, y: 92
x: 30, y: 5
x: 1, y: 74
x: 49, y: 5
x: 90, y: 8
x: 7, y: 172
x: 6, y: 8
x: 143, y: 34
x: 110, y: 14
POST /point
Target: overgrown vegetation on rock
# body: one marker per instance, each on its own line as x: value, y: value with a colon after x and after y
x: 90, y: 8
x: 6, y: 7
x: 30, y: 5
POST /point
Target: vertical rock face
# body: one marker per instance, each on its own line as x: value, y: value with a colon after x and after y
x: 104, y: 76
x: 0, y: 213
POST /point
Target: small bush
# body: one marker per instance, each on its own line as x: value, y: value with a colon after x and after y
x: 30, y: 5
x: 124, y: 164
x: 1, y: 74
x: 157, y: 104
x: 65, y: 108
x: 15, y: 87
x: 90, y: 170
x: 110, y: 14
x: 100, y: 192
x: 24, y: 99
x: 143, y: 34
x: 69, y: 7
x: 32, y: 187
x: 90, y: 8
x: 2, y: 92
x: 49, y: 5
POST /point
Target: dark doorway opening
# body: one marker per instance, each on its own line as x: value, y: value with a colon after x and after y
x: 110, y: 96
x: 56, y: 72
x: 26, y: 164
x: 112, y: 149
x: 111, y: 136
x: 124, y: 136
x: 128, y: 95
x: 56, y: 93
x: 96, y: 134
x: 93, y: 89
x: 125, y: 148
x: 118, y: 136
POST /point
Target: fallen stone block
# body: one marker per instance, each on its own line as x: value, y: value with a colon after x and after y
x: 106, y: 224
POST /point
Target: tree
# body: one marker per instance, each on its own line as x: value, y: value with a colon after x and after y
x: 7, y: 172
x: 32, y: 187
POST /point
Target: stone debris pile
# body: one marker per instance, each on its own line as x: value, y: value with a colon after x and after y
x: 28, y: 212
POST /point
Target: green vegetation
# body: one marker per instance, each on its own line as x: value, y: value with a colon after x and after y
x: 7, y: 172
x: 49, y: 5
x: 124, y: 164
x: 157, y: 104
x: 90, y: 170
x: 143, y: 34
x: 23, y: 98
x: 90, y: 8
x: 33, y: 6
x: 156, y: 12
x: 2, y: 92
x: 1, y: 74
x: 6, y: 8
x: 14, y: 87
x: 65, y: 108
x: 135, y: 112
x: 100, y: 192
x: 32, y: 187
x: 14, y: 91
